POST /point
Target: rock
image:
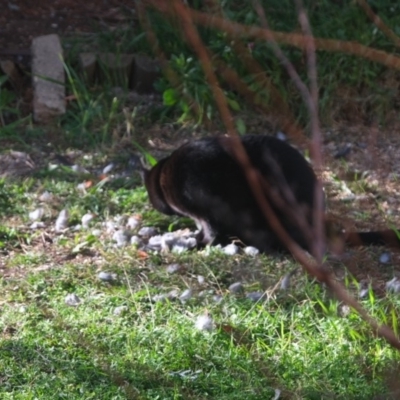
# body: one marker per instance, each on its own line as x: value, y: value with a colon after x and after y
x: 285, y: 283
x: 231, y: 249
x: 145, y: 72
x: 251, y: 251
x: 108, y: 168
x: 118, y: 67
x: 393, y: 285
x: 86, y: 220
x: 120, y: 310
x: 88, y: 64
x: 201, y: 279
x: 62, y: 221
x: 72, y: 300
x: 48, y: 78
x: 37, y: 214
x: 121, y: 236
x: 174, y: 268
x: 133, y: 222
x: 46, y: 197
x: 186, y: 295
x: 204, y: 323
x: 385, y: 258
x: 37, y: 225
x: 236, y: 287
x: 106, y: 276
x: 147, y: 231
x: 135, y: 240
x: 255, y: 296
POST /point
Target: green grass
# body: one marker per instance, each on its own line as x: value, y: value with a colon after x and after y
x: 294, y: 340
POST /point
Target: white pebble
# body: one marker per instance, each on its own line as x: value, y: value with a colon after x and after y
x: 121, y: 237
x: 231, y: 249
x: 201, y: 279
x: 174, y: 268
x: 251, y: 251
x: 393, y: 285
x: 120, y: 310
x: 236, y: 287
x: 281, y: 136
x: 133, y: 222
x: 86, y: 220
x: 106, y: 276
x: 36, y: 214
x: 135, y: 240
x: 96, y: 232
x: 186, y: 295
x: 147, y: 231
x: 72, y: 300
x: 255, y: 296
x: 46, y: 197
x: 385, y: 258
x: 62, y: 221
x: 108, y: 168
x: 204, y: 323
x: 37, y: 225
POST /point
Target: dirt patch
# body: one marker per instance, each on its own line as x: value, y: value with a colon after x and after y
x: 22, y: 20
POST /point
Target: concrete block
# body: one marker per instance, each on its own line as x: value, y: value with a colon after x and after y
x: 48, y: 78
x: 116, y: 67
x: 145, y: 73
x: 88, y: 64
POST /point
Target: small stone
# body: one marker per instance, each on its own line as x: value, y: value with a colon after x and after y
x: 251, y: 251
x: 385, y: 258
x: 281, y: 136
x: 36, y: 214
x: 79, y: 169
x: 218, y: 298
x: 255, y: 296
x: 133, y: 222
x: 62, y: 221
x: 106, y: 276
x: 186, y: 295
x: 121, y: 237
x: 231, y: 249
x: 37, y: 225
x: 111, y: 226
x: 72, y: 300
x: 108, y: 168
x: 120, y: 310
x: 236, y: 287
x: 174, y: 268
x: 22, y: 309
x: 147, y: 231
x: 159, y: 297
x: 173, y: 294
x: 204, y: 323
x: 46, y: 197
x: 285, y: 283
x: 393, y: 285
x: 155, y: 242
x: 96, y: 232
x: 201, y: 279
x: 135, y: 240
x: 86, y: 219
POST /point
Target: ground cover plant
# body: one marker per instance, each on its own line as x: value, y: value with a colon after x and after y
x: 87, y: 312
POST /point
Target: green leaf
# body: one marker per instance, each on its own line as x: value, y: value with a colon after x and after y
x: 170, y: 97
x: 241, y: 126
x: 233, y: 104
